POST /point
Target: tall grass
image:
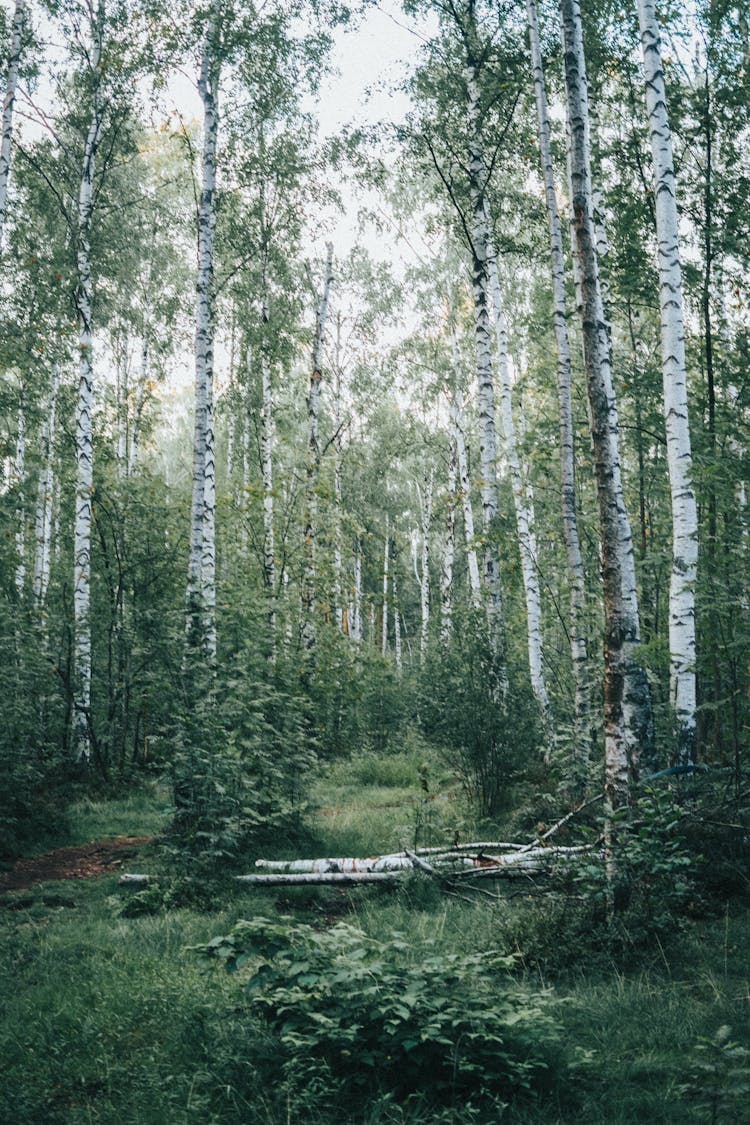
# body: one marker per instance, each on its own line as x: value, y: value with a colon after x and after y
x: 115, y: 1020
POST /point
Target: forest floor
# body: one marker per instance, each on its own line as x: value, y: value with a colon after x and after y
x: 108, y: 1015
x: 81, y: 861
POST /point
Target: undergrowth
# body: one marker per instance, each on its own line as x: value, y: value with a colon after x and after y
x: 109, y: 1015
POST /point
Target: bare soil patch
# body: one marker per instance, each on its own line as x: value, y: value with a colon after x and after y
x: 80, y: 862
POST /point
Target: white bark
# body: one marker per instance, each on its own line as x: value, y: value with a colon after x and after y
x: 356, y: 611
x: 449, y: 552
x: 627, y: 712
x: 122, y: 373
x: 84, y: 406
x: 11, y: 83
x: 459, y: 443
x: 397, y: 627
x: 267, y: 440
x: 19, y: 469
x: 423, y: 578
x: 313, y: 457
x: 521, y: 497
x: 201, y: 584
x: 386, y: 560
x: 391, y: 867
x: 231, y: 396
x: 485, y: 389
x: 45, y: 494
x: 140, y: 393
x: 679, y: 457
x: 583, y: 741
x: 338, y: 566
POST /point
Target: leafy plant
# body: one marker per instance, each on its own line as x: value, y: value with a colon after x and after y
x: 386, y: 1014
x: 720, y: 1075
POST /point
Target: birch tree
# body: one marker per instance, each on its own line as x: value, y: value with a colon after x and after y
x: 684, y: 512
x: 45, y: 495
x: 462, y: 466
x: 201, y: 584
x: 85, y: 400
x: 313, y: 454
x: 584, y: 735
x: 522, y: 503
x: 449, y: 549
x: 485, y: 385
x: 627, y: 712
x: 11, y: 84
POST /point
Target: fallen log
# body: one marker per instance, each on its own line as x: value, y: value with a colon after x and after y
x: 299, y: 878
x: 320, y: 877
x: 397, y: 861
x: 326, y: 871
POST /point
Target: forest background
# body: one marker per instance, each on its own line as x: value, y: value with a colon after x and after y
x: 410, y: 442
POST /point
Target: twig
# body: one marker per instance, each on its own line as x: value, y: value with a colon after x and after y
x: 568, y: 816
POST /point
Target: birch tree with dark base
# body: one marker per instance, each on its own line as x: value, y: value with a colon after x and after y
x: 627, y: 708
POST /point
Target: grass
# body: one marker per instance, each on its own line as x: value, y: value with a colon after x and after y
x: 141, y: 813
x: 114, y: 1019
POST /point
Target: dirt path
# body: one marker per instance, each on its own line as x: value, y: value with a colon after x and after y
x: 79, y: 862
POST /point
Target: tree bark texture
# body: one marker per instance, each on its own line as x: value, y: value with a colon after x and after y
x: 679, y: 456
x: 313, y: 457
x: 522, y: 504
x: 584, y: 731
x: 11, y: 84
x: 45, y: 494
x: 485, y: 388
x: 627, y: 711
x: 84, y: 406
x: 457, y: 433
x: 201, y: 584
x: 267, y: 441
x: 449, y: 551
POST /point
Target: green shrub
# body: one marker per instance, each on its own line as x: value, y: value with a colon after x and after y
x: 375, y: 1018
x: 489, y: 728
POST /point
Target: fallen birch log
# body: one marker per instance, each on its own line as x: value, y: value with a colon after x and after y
x: 376, y: 869
x: 397, y: 861
x: 303, y: 877
x: 299, y: 878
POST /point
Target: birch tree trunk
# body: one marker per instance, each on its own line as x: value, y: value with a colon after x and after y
x: 313, y: 458
x: 122, y: 406
x: 463, y: 480
x: 679, y: 457
x: 338, y: 605
x: 449, y: 553
x: 521, y: 498
x: 45, y: 494
x: 627, y: 711
x: 356, y: 611
x: 396, y: 626
x: 19, y: 471
x: 486, y: 394
x: 84, y: 406
x: 386, y: 559
x: 267, y: 437
x: 140, y: 393
x: 584, y: 732
x: 11, y: 84
x: 201, y: 583
x: 424, y: 584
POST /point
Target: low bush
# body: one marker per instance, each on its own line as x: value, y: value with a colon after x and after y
x: 383, y: 1016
